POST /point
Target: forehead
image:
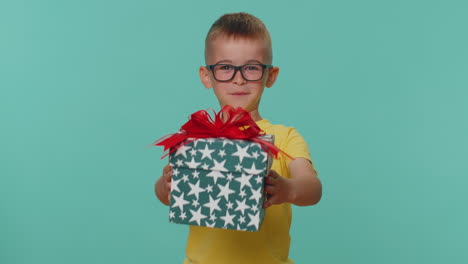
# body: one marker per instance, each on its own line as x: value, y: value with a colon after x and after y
x: 236, y: 50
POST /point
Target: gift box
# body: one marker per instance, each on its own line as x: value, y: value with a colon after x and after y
x: 218, y: 170
x: 219, y: 182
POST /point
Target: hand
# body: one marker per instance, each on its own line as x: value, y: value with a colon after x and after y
x: 163, y: 185
x: 277, y: 188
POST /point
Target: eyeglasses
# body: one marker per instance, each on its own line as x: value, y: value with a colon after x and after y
x: 226, y: 72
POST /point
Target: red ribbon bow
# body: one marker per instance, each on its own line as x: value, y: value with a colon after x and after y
x: 230, y: 122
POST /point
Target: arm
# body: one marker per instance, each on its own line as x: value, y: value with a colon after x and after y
x: 162, y: 187
x: 303, y: 188
x: 307, y: 188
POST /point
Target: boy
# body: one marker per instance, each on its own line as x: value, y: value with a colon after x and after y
x: 238, y: 56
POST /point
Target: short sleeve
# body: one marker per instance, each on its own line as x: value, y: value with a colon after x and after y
x: 288, y: 140
x: 296, y: 146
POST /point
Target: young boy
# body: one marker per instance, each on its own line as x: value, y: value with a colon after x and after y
x: 238, y: 55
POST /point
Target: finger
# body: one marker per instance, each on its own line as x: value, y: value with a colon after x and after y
x: 267, y: 203
x: 271, y: 201
x: 168, y: 186
x: 167, y: 168
x: 168, y: 174
x: 270, y: 180
x: 273, y: 174
x: 270, y: 189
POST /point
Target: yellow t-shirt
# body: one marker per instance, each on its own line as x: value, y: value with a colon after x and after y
x: 270, y: 245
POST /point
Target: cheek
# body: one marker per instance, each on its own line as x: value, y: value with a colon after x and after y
x: 219, y: 90
x: 221, y: 86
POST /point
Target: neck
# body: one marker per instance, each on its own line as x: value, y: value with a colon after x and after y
x: 255, y: 115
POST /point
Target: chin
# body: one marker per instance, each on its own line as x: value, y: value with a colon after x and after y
x: 241, y: 106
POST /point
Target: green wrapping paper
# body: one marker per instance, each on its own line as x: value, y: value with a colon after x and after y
x: 219, y: 183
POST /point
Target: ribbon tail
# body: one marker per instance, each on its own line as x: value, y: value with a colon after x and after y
x: 170, y: 142
x: 270, y: 148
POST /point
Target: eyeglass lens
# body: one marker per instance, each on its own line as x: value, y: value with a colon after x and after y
x: 251, y: 72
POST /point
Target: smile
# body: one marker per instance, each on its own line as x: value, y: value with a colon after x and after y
x: 240, y: 93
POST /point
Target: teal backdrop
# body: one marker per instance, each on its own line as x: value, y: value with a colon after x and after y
x: 377, y: 88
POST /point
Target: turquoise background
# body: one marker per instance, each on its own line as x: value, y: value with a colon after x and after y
x: 377, y: 88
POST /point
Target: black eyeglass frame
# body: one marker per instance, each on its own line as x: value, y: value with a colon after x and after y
x: 239, y: 68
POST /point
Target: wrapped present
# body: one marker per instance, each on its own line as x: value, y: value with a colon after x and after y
x: 219, y: 167
x: 219, y: 182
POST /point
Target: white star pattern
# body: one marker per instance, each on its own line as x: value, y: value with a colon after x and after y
x: 180, y: 202
x: 195, y: 189
x: 242, y: 219
x: 185, y: 178
x: 254, y: 220
x: 192, y: 164
x: 222, y: 153
x: 197, y: 216
x: 229, y: 205
x: 193, y: 152
x: 254, y: 208
x: 256, y: 195
x: 229, y: 177
x: 195, y: 143
x: 228, y: 142
x: 213, y: 217
x: 225, y: 191
x: 242, y: 193
x: 175, y: 185
x: 253, y: 170
x: 183, y: 216
x: 206, y: 153
x: 216, y: 170
x: 244, y: 180
x: 241, y: 206
x: 228, y: 219
x: 240, y: 229
x: 255, y: 154
x: 215, y: 175
x: 219, y: 165
x: 218, y: 184
x: 241, y: 153
x: 258, y: 179
x: 210, y: 225
x: 182, y: 151
x: 213, y: 205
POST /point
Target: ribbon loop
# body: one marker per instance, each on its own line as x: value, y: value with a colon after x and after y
x: 230, y: 122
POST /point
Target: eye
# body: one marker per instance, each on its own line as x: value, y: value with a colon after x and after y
x: 253, y: 67
x: 225, y: 67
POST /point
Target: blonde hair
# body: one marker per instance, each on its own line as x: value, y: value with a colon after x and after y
x: 240, y: 25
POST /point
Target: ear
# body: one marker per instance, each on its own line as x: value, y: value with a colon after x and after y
x: 272, y: 74
x: 205, y: 76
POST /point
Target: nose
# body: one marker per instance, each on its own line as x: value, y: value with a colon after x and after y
x: 238, y: 78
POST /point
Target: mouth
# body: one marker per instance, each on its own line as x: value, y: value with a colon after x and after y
x: 240, y: 93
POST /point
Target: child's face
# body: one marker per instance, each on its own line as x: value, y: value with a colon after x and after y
x: 238, y: 92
